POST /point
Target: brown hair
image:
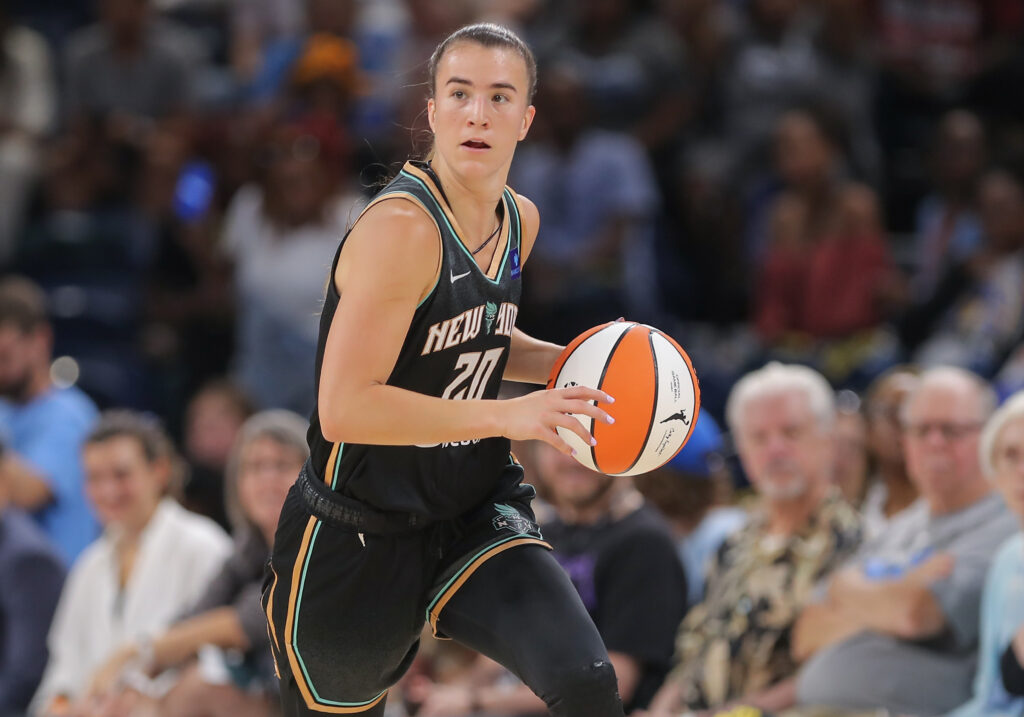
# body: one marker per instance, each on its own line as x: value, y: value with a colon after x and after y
x: 487, y: 34
x: 147, y: 431
x: 22, y: 303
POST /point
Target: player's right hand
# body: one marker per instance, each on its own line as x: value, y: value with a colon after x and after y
x: 537, y: 415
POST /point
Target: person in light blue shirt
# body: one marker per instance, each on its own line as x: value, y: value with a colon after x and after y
x: 1002, y: 604
x: 41, y: 425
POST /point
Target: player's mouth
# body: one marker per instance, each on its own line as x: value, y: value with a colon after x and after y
x: 476, y: 144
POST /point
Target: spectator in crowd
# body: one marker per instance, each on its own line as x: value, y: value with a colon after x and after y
x: 847, y: 79
x: 281, y: 233
x: 620, y: 556
x: 947, y: 231
x: 998, y: 687
x: 773, y: 68
x: 90, y: 245
x: 321, y: 92
x: 31, y: 576
x: 597, y: 193
x: 898, y: 626
x: 255, y: 25
x: 43, y: 425
x: 324, y: 19
x: 267, y: 455
x: 890, y: 490
x: 850, y: 461
x: 212, y: 421
x: 27, y: 113
x: 152, y: 562
x: 689, y: 491
x: 630, y: 67
x: 189, y: 312
x: 733, y: 648
x: 827, y: 240
x: 130, y: 69
x: 976, y: 318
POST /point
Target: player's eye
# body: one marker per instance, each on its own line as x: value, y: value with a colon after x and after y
x: 459, y: 94
x: 500, y: 98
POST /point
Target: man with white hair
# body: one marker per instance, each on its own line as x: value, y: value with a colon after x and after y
x: 734, y: 647
x: 898, y: 627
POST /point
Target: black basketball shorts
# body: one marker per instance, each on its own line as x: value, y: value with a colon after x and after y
x: 345, y: 608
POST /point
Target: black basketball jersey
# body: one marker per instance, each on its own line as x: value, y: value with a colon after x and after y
x: 456, y: 348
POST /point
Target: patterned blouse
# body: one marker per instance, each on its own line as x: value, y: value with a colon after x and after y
x: 737, y: 641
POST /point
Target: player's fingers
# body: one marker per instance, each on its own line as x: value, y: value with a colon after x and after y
x: 588, y: 409
x: 566, y: 421
x: 584, y: 393
x: 552, y: 438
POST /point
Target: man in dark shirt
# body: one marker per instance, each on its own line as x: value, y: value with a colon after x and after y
x: 621, y: 557
x: 31, y: 577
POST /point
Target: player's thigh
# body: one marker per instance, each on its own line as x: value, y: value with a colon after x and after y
x: 520, y: 609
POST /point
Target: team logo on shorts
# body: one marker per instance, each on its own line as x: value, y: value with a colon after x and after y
x: 511, y: 519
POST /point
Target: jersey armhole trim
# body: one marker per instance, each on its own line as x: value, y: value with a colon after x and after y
x: 519, y: 219
x: 400, y: 194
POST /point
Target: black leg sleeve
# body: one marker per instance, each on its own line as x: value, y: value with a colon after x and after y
x: 520, y: 609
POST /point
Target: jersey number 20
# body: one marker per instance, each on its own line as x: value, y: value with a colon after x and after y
x: 474, y: 372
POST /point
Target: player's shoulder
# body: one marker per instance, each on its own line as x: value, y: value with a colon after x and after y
x: 529, y: 218
x: 397, y: 215
x: 527, y: 209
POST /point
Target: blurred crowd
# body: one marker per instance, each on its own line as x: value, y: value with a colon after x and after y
x: 831, y: 188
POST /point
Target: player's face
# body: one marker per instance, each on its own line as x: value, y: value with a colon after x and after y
x: 123, y: 486
x: 570, y: 484
x: 266, y: 470
x: 480, y: 108
x: 782, y: 446
x: 1008, y: 461
x: 940, y: 439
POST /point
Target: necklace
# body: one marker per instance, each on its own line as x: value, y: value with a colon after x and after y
x: 487, y: 240
x: 437, y: 182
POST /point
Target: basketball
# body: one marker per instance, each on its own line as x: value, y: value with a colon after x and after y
x: 657, y: 397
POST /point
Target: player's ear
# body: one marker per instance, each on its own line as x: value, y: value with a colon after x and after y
x: 527, y: 121
x: 430, y: 112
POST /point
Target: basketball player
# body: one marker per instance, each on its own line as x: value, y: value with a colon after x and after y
x: 411, y: 507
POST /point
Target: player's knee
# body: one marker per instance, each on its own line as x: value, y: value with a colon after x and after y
x: 590, y: 691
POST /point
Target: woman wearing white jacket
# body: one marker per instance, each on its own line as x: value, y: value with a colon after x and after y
x: 153, y: 560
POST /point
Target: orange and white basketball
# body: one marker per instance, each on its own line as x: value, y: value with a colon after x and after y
x: 657, y: 397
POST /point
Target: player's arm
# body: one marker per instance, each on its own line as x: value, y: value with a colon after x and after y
x: 529, y: 360
x: 389, y: 264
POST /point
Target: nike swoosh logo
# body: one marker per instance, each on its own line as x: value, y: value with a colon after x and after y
x: 455, y: 277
